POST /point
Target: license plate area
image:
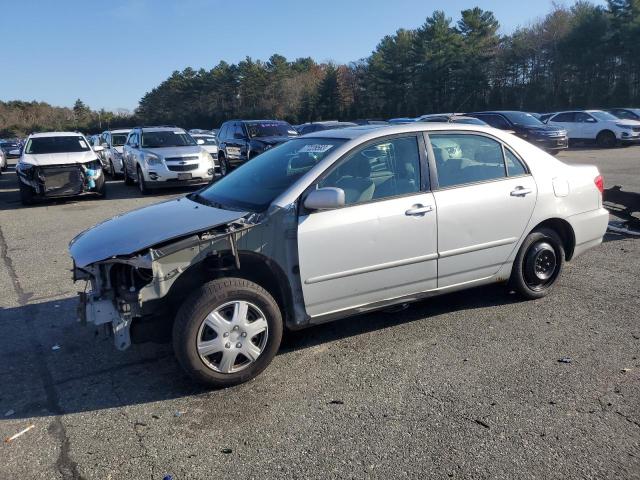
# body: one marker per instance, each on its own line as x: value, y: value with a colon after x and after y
x: 184, y: 176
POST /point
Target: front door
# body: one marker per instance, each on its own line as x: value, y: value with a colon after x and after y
x: 485, y: 199
x: 382, y: 244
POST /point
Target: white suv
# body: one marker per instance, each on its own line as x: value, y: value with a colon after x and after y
x: 113, y: 143
x: 58, y: 164
x: 164, y: 157
x: 596, y: 126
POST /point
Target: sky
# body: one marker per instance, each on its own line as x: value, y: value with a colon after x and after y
x: 110, y: 53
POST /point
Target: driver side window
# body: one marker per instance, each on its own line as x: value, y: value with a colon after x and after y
x: 384, y: 169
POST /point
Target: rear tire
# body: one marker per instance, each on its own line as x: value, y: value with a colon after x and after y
x: 606, y: 139
x: 26, y: 193
x: 192, y: 324
x: 538, y: 264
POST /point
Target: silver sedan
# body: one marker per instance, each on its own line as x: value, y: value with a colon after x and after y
x: 332, y: 224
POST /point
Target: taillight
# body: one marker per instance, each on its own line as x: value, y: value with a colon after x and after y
x: 599, y: 181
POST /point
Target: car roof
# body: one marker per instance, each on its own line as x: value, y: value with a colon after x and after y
x: 374, y: 131
x: 55, y: 134
x: 161, y: 129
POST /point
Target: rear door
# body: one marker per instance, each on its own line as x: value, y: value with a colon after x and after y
x: 382, y: 244
x: 485, y: 198
x: 567, y: 121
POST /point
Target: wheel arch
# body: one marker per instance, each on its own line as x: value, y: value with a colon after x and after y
x: 254, y: 267
x: 564, y: 230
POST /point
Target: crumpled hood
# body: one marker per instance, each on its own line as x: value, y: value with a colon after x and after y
x: 45, y: 159
x: 142, y: 228
x: 176, y: 151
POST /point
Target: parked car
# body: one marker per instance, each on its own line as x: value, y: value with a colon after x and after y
x: 162, y: 156
x: 9, y: 146
x: 550, y: 138
x: 597, y: 126
x: 112, y: 156
x: 210, y: 144
x: 451, y: 118
x: 625, y: 113
x: 58, y: 164
x: 241, y: 140
x: 330, y: 225
x: 325, y: 125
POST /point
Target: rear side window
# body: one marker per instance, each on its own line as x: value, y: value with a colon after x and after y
x: 467, y: 158
x: 564, y: 117
x: 514, y: 165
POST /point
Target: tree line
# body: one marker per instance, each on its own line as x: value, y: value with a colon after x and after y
x: 583, y: 56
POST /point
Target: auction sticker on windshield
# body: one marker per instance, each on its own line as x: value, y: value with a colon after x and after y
x: 315, y: 148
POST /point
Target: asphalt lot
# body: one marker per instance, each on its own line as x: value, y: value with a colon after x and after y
x: 462, y: 386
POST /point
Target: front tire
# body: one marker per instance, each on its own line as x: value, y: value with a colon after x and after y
x: 227, y: 332
x: 26, y: 194
x: 606, y: 139
x: 224, y: 165
x: 127, y: 179
x: 142, y: 185
x: 538, y: 264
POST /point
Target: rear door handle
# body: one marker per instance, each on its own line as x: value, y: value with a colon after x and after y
x: 419, y: 210
x: 521, y: 192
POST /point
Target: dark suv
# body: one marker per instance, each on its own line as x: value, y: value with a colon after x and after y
x: 524, y: 125
x: 241, y: 140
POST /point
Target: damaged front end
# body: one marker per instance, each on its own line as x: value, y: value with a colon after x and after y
x: 141, y: 287
x: 60, y: 180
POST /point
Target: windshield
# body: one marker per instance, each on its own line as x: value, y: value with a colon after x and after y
x: 257, y: 183
x: 40, y: 145
x: 118, y: 139
x: 521, y: 118
x: 207, y: 140
x: 166, y: 138
x: 604, y: 116
x: 270, y: 129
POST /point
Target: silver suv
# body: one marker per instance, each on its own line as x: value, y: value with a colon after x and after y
x: 113, y: 143
x: 333, y: 224
x: 163, y: 157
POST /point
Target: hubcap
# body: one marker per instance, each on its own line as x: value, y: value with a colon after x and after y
x: 232, y: 336
x: 541, y: 265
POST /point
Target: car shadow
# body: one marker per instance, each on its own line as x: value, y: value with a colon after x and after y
x: 79, y: 369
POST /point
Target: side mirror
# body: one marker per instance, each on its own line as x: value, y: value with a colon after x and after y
x: 591, y: 120
x: 98, y: 148
x: 200, y: 141
x: 325, y: 199
x: 16, y: 152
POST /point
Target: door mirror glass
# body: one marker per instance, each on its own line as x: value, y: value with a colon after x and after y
x: 325, y: 199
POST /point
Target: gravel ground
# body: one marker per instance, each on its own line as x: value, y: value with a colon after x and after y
x: 466, y: 385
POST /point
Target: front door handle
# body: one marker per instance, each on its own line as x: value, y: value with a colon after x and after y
x: 419, y: 210
x: 521, y: 192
